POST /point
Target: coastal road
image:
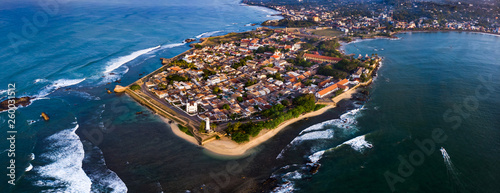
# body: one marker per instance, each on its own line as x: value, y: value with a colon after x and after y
x: 193, y: 119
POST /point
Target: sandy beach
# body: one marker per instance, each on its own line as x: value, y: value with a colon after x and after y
x: 179, y: 133
x: 225, y: 146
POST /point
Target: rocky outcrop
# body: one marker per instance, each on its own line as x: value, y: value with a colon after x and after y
x: 189, y: 40
x: 119, y: 88
x: 164, y: 61
x: 23, y: 101
x: 45, y: 116
x: 314, y: 168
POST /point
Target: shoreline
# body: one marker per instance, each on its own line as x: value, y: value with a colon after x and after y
x: 357, y: 40
x: 175, y: 129
x: 445, y: 30
x: 227, y: 147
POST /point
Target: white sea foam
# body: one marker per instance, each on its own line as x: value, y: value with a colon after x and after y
x: 207, y: 34
x: 286, y: 187
x: 315, y: 157
x: 41, y: 80
x: 358, y: 143
x: 172, y: 45
x: 295, y: 175
x: 85, y: 95
x: 3, y: 92
x: 326, y: 134
x: 347, y: 121
x: 61, y: 83
x: 115, y: 63
x: 65, y: 152
x: 29, y: 168
x: 101, y: 176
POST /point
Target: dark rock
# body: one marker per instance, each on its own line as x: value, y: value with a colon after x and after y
x: 189, y: 40
x: 23, y: 101
x: 314, y: 169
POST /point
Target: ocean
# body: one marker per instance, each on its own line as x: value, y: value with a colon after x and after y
x: 430, y: 125
x: 66, y: 52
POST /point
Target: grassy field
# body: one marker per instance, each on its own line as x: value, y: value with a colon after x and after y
x: 327, y: 32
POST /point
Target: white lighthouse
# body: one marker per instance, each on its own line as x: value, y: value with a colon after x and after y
x: 207, y: 126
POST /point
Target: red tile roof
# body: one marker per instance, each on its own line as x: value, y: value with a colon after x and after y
x: 327, y: 89
x: 343, y: 82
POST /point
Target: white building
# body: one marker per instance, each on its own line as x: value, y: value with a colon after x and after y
x: 192, y: 107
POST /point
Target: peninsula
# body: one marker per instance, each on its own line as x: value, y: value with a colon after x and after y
x: 230, y: 93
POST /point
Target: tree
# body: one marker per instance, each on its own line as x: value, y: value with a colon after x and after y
x: 240, y: 137
x: 202, y: 127
x: 161, y: 86
x: 135, y: 87
x: 226, y: 106
x: 364, y: 78
x: 285, y: 102
x: 239, y: 99
x: 216, y: 90
x: 346, y: 65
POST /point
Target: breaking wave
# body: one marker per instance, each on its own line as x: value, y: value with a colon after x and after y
x: 64, y: 153
x: 207, y: 34
x: 103, y: 179
x: 115, y: 63
x: 61, y: 83
x: 344, y: 126
x: 359, y: 143
x: 325, y: 130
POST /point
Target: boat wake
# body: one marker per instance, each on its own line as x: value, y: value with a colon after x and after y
x: 453, y: 173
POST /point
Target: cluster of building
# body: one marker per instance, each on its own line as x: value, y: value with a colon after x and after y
x: 218, y: 89
x: 376, y: 23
